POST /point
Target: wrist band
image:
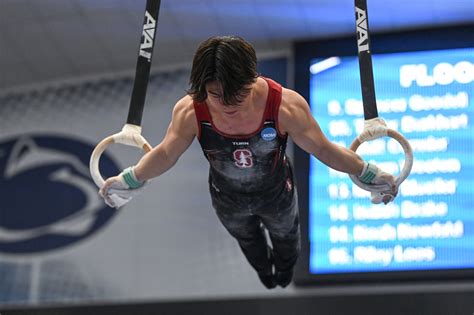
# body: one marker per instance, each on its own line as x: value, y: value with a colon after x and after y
x: 369, y: 173
x: 129, y: 177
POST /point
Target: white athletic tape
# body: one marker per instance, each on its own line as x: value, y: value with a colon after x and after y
x: 373, y: 128
x: 131, y: 136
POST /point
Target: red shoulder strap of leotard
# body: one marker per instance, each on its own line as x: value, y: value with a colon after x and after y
x: 273, y: 100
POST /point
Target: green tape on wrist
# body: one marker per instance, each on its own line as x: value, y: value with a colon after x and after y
x: 369, y: 174
x: 130, y: 179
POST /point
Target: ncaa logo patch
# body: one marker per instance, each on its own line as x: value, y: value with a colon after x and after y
x: 48, y: 199
x: 268, y: 134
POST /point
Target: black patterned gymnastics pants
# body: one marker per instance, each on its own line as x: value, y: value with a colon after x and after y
x: 244, y: 217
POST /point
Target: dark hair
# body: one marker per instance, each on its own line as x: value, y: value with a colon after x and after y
x: 231, y: 61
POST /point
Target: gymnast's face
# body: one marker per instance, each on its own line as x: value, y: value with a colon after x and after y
x: 215, y: 99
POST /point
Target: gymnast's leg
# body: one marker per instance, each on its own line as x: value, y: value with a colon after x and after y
x: 283, y: 226
x: 246, y: 229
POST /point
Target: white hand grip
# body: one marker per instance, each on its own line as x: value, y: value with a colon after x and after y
x: 130, y: 135
x: 406, y: 167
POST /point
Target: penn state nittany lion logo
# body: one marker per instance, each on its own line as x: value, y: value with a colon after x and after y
x: 243, y: 158
x: 48, y: 200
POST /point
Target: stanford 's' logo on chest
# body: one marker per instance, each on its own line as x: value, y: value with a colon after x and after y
x: 243, y: 158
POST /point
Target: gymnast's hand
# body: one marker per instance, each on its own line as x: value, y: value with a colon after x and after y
x: 120, y: 189
x: 371, y: 174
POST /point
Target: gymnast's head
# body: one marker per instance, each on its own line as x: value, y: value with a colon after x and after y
x: 225, y: 67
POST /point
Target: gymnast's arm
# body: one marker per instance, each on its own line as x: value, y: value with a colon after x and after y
x: 179, y: 136
x: 296, y: 120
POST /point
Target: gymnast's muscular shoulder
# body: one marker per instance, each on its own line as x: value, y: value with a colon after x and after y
x: 184, y: 117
